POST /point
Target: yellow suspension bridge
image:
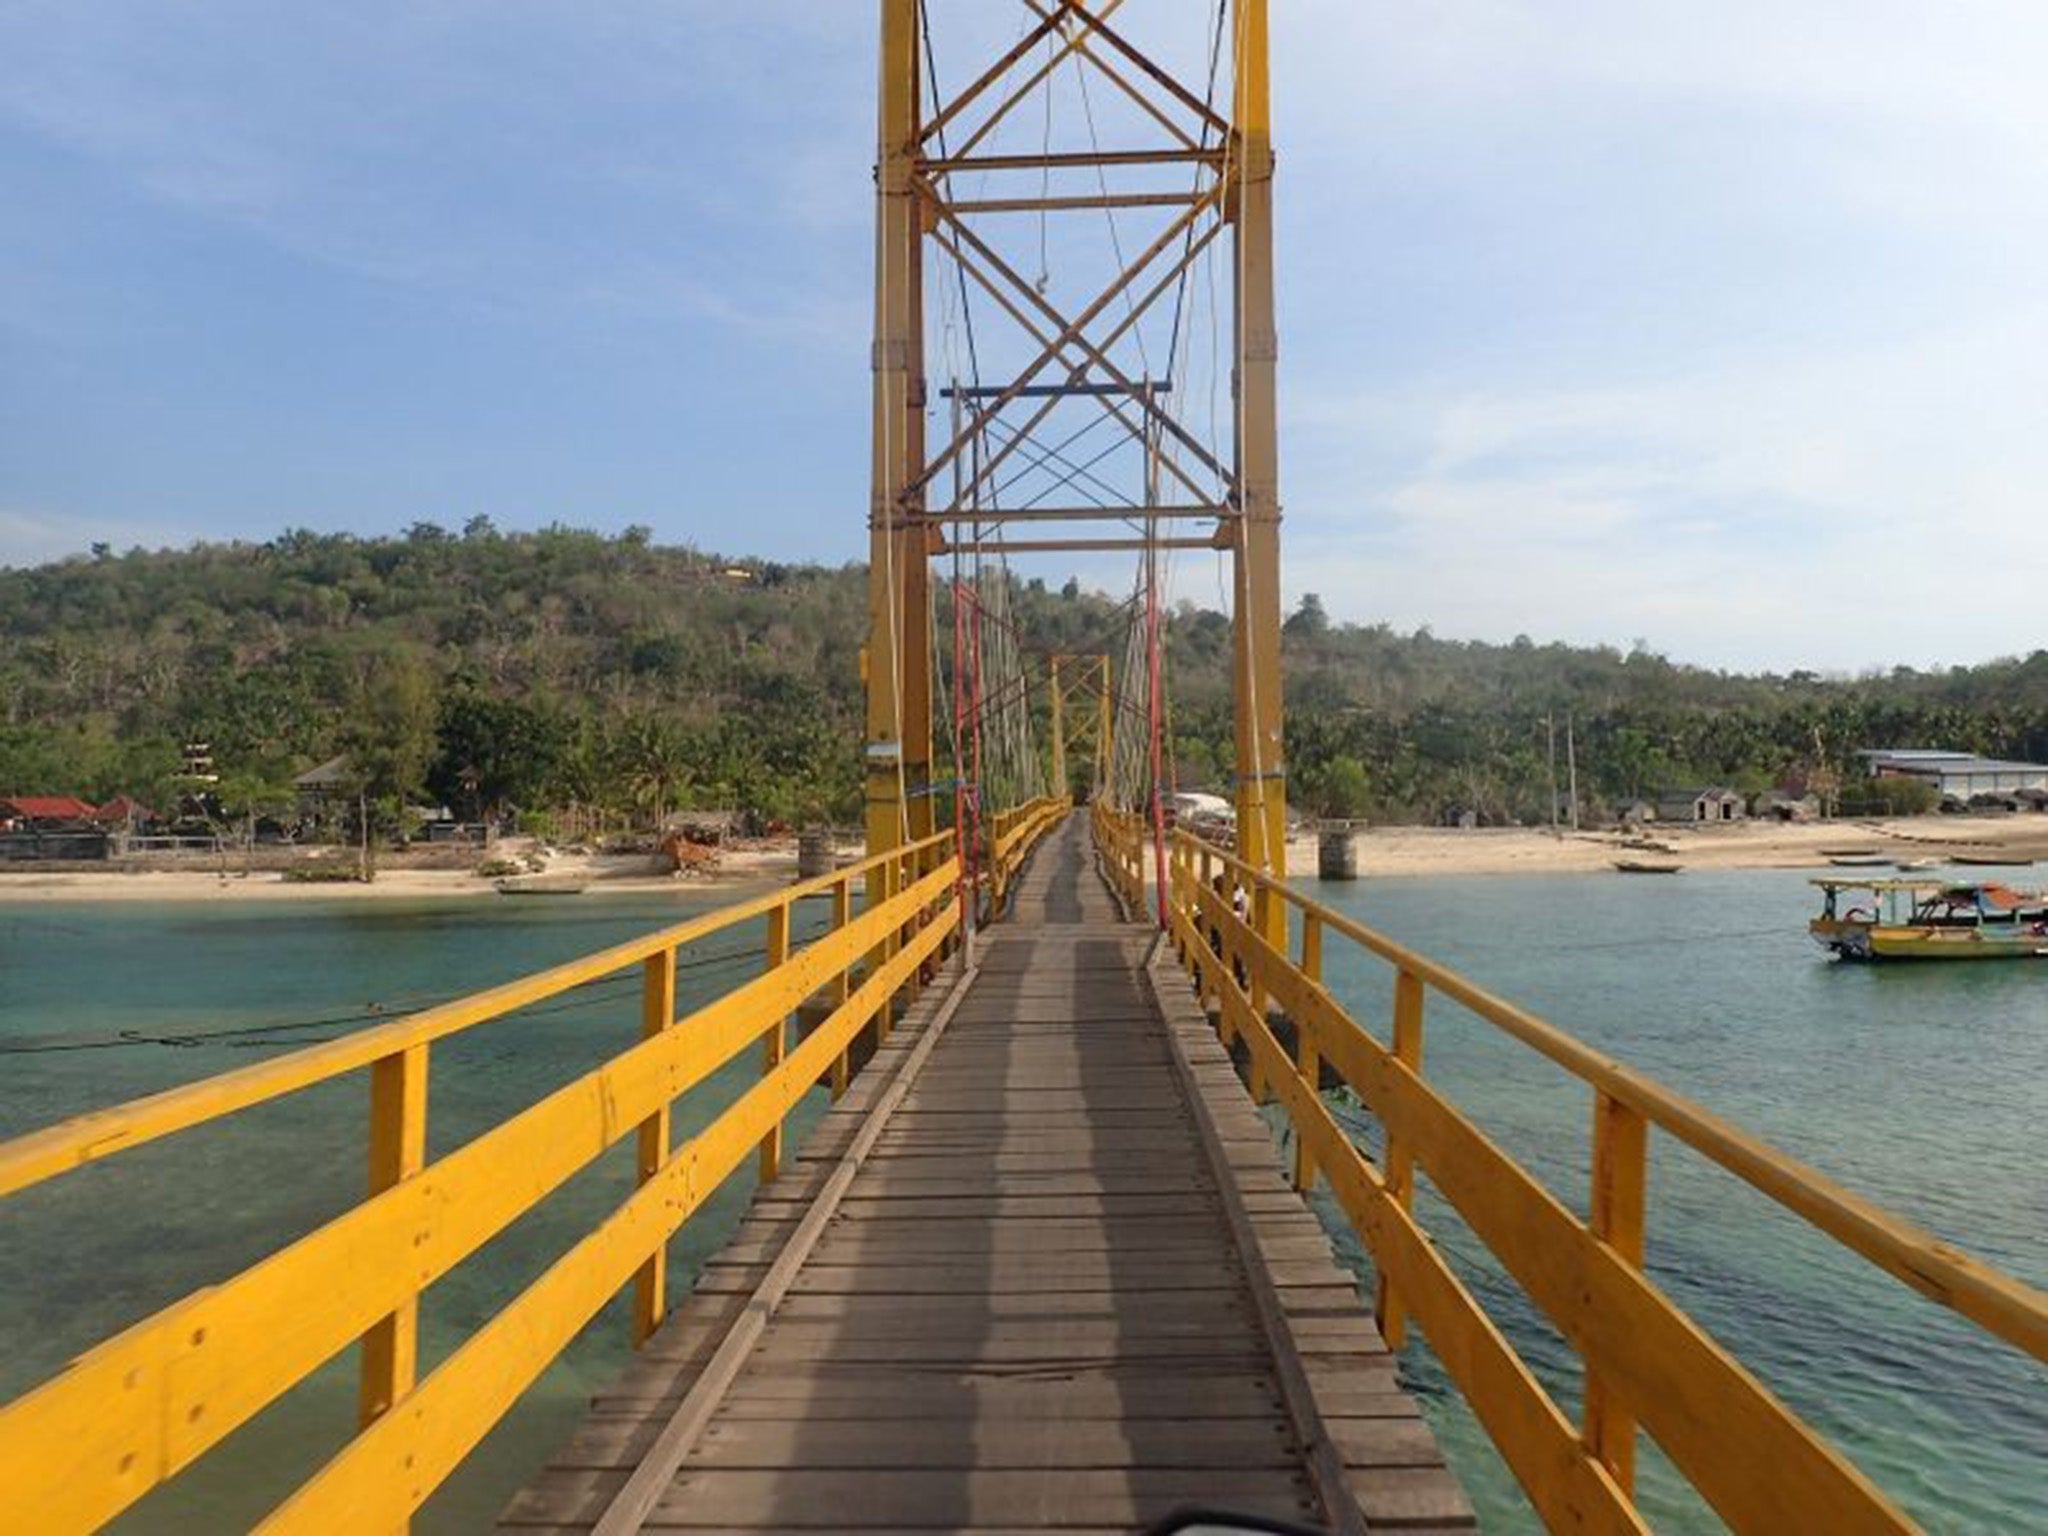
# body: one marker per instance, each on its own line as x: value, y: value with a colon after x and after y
x: 1043, y: 1265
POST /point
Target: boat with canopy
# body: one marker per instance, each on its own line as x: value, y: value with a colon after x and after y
x: 1929, y: 920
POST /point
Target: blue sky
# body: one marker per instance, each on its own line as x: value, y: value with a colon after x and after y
x: 1719, y: 326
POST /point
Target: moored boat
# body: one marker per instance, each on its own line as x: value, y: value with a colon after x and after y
x: 1646, y: 867
x: 541, y: 885
x: 1930, y: 920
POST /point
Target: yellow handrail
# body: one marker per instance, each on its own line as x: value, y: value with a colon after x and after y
x: 89, y: 1137
x: 133, y: 1411
x: 1013, y: 834
x: 1754, y: 1460
x: 1121, y: 837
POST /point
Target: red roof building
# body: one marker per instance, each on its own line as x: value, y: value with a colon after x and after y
x: 46, y: 808
x: 124, y: 808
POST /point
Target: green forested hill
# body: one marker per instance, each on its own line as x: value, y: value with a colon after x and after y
x: 534, y: 669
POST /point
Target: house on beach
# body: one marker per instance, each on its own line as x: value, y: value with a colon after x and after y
x: 46, y: 813
x: 125, y: 813
x: 50, y: 827
x: 1715, y: 803
x: 1780, y: 805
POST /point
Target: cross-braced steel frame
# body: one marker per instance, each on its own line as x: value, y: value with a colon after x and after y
x: 932, y: 497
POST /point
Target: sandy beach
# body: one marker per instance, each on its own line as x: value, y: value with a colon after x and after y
x: 1382, y: 852
x: 1391, y: 851
x: 398, y: 879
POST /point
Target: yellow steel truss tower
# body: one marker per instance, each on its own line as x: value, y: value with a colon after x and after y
x: 1086, y: 677
x: 948, y: 186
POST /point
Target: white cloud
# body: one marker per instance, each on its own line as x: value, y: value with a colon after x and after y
x: 495, y: 159
x: 1823, y: 510
x: 1715, y: 325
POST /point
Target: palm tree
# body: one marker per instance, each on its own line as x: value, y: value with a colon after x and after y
x: 653, y: 764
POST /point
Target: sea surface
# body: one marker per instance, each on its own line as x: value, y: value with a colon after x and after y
x: 1925, y: 1089
x: 101, y: 1003
x: 1922, y: 1088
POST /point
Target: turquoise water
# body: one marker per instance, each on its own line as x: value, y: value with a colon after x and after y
x: 1926, y: 1089
x: 1923, y: 1088
x: 91, y: 1252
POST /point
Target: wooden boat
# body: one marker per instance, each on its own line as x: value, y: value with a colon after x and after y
x: 1646, y: 867
x: 1912, y: 865
x: 541, y: 885
x: 1860, y: 861
x: 1648, y: 845
x: 1929, y: 920
x: 1991, y: 860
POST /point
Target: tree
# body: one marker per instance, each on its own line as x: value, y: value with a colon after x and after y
x: 537, y: 649
x: 1892, y: 797
x: 1343, y: 791
x: 1309, y: 620
x: 650, y: 760
x: 388, y: 735
x: 240, y: 800
x: 494, y: 754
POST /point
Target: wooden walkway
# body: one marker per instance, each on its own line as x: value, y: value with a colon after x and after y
x: 1040, y: 1269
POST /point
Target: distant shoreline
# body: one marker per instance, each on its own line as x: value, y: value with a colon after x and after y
x: 1390, y: 852
x: 607, y: 876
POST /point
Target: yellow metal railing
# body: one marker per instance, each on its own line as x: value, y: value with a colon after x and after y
x: 135, y: 1410
x: 1647, y: 1364
x: 1011, y: 836
x: 1121, y: 837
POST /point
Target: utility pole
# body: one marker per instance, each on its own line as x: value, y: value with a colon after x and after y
x: 1571, y: 759
x: 1550, y: 727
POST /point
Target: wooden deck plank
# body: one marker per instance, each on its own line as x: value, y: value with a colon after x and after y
x: 942, y: 1500
x: 998, y: 1444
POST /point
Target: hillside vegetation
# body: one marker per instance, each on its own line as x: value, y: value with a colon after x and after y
x: 488, y: 670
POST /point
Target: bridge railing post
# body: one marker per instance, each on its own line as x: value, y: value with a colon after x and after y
x: 913, y: 868
x: 657, y: 1013
x: 1621, y: 1164
x: 1400, y: 1170
x: 1206, y: 876
x: 1307, y: 1062
x: 1177, y: 895
x: 1257, y: 914
x: 842, y: 984
x: 398, y: 1150
x: 891, y: 880
x: 776, y: 1042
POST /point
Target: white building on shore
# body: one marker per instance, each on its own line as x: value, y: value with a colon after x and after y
x: 1956, y: 775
